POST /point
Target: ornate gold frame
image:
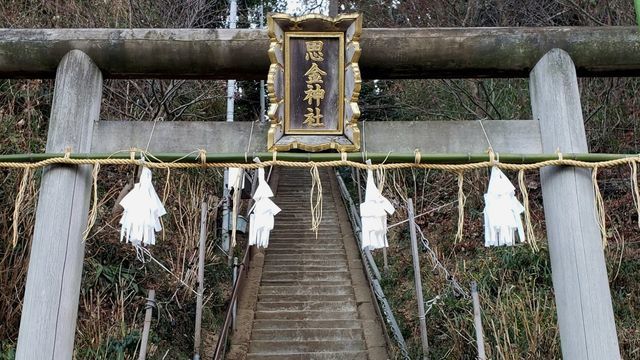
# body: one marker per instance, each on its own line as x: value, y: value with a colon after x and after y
x: 348, y: 139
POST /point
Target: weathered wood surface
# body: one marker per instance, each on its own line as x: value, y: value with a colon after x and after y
x: 386, y: 53
x: 146, y: 328
x: 477, y: 321
x: 50, y: 308
x: 579, y: 272
x: 330, y: 103
x: 508, y: 136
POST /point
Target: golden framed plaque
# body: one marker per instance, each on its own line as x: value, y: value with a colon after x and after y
x: 314, y: 82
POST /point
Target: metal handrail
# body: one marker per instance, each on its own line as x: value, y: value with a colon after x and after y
x: 228, y: 320
x: 243, y: 268
x: 373, y: 274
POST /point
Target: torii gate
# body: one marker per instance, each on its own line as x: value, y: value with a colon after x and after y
x: 80, y: 58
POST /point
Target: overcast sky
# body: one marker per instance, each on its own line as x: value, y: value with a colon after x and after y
x: 298, y: 7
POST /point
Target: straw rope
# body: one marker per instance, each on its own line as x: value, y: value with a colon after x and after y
x: 635, y: 191
x: 200, y: 161
x: 26, y: 176
x: 93, y: 214
x: 316, y: 206
x: 158, y: 164
x: 599, y: 207
x: 530, y: 234
x: 461, y: 201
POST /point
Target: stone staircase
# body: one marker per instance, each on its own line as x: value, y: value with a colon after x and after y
x: 313, y: 301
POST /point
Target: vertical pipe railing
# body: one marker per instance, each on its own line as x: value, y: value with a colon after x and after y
x: 417, y: 278
x: 151, y: 303
x: 231, y: 84
x: 204, y: 208
x: 383, y: 309
x: 234, y: 304
x: 477, y: 321
x: 263, y: 117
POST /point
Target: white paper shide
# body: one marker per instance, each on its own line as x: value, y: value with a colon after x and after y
x: 373, y: 212
x: 142, y: 211
x: 502, y: 212
x: 264, y: 210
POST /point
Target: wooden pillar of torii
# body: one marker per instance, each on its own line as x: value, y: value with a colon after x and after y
x: 50, y: 307
x: 583, y: 300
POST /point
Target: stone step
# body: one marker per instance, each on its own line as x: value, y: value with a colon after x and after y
x: 350, y: 355
x: 329, y: 306
x: 307, y: 290
x: 297, y: 257
x: 304, y: 218
x: 276, y: 298
x: 274, y: 268
x: 306, y: 315
x: 305, y: 251
x: 334, y: 264
x: 308, y: 334
x: 302, y: 202
x: 305, y: 275
x: 267, y: 282
x: 306, y: 305
x: 303, y: 208
x: 316, y: 245
x: 292, y: 347
x: 310, y: 237
x: 305, y: 228
x: 303, y: 199
x: 293, y: 243
x: 306, y: 239
x: 306, y: 262
x: 307, y: 234
x: 303, y: 214
x: 300, y: 191
x: 302, y: 225
x: 281, y: 324
x: 305, y: 231
x: 295, y: 199
x: 280, y: 243
x: 303, y: 205
x: 333, y: 230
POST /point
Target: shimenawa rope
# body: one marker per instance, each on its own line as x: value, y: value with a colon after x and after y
x: 316, y: 185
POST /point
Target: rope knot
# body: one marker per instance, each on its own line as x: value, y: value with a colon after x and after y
x: 67, y: 152
x: 494, y: 158
x: 417, y: 156
x: 316, y: 204
x: 202, y: 155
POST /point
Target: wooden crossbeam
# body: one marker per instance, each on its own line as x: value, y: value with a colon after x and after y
x: 508, y: 136
x: 386, y: 53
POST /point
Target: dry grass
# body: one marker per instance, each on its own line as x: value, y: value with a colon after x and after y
x: 115, y: 283
x: 14, y: 261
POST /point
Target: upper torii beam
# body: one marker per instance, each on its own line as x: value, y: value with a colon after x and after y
x: 416, y: 53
